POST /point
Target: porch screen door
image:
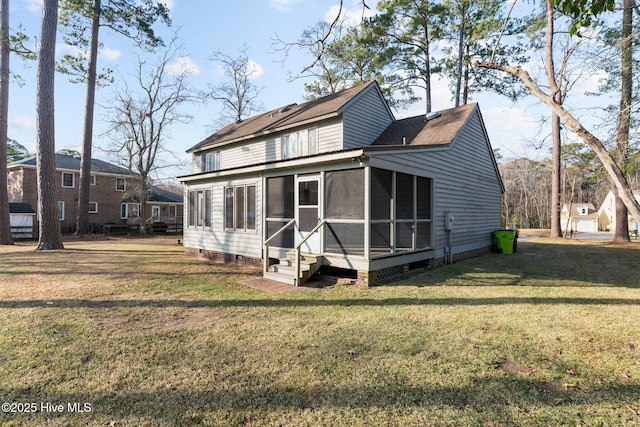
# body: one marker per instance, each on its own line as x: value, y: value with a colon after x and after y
x: 308, y: 213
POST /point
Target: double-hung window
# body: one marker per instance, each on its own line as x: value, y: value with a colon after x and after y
x: 199, y: 208
x: 211, y: 161
x: 240, y: 207
x: 121, y: 184
x: 68, y: 180
x: 299, y: 144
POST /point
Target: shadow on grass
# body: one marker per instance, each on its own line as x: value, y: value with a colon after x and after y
x: 351, y: 302
x: 505, y: 399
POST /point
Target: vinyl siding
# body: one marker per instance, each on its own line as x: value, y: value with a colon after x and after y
x: 465, y: 184
x: 365, y: 119
x: 217, y: 238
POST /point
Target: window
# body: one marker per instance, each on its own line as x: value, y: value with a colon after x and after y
x: 240, y: 207
x: 301, y: 143
x: 280, y: 209
x: 173, y: 211
x: 210, y: 161
x: 129, y: 210
x: 199, y: 208
x: 93, y: 207
x: 61, y: 210
x: 68, y: 180
x: 121, y: 184
x: 92, y: 180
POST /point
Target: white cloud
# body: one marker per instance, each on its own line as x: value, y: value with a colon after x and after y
x: 509, y: 119
x: 109, y: 54
x: 169, y: 3
x: 183, y: 64
x: 254, y: 69
x: 23, y: 122
x: 33, y: 5
x: 352, y: 16
x: 283, y: 5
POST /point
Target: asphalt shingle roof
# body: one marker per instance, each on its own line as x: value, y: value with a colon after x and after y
x: 282, y: 117
x: 64, y: 161
x: 420, y: 131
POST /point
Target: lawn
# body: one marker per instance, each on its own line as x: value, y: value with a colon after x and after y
x: 132, y: 332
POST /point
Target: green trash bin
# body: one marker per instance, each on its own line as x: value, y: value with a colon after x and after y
x: 506, y: 240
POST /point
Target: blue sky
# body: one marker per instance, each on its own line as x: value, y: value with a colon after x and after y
x: 209, y: 25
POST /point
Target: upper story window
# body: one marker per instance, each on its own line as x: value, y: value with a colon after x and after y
x: 211, y: 161
x: 121, y: 184
x: 300, y: 143
x: 68, y: 180
x: 92, y: 180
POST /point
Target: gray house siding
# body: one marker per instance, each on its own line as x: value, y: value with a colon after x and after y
x: 469, y: 190
x: 365, y: 119
x: 217, y: 238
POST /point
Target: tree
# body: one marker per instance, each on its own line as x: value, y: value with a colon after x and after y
x: 412, y: 27
x: 50, y: 236
x: 129, y: 18
x: 16, y: 151
x: 238, y: 94
x: 5, y: 220
x: 140, y: 118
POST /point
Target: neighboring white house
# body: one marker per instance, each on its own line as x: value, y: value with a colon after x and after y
x: 583, y: 218
x: 340, y: 178
x: 607, y: 213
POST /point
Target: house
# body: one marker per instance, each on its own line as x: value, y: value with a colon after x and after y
x: 607, y: 213
x: 111, y: 193
x: 21, y: 219
x: 339, y: 182
x: 579, y: 217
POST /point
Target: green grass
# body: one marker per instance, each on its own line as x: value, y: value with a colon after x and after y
x: 547, y: 336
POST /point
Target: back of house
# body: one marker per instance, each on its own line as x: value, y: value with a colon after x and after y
x: 339, y: 182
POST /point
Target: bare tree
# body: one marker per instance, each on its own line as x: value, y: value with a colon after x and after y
x: 141, y: 117
x: 50, y: 236
x: 238, y: 94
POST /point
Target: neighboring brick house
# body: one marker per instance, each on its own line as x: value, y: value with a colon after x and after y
x: 110, y: 197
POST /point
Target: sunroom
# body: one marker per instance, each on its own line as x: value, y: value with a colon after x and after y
x: 358, y: 218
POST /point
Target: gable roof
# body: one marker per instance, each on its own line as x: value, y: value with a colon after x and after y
x: 65, y: 161
x: 157, y: 194
x: 576, y: 210
x: 417, y: 130
x: 284, y: 117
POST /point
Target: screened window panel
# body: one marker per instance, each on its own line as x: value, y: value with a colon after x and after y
x: 284, y: 239
x: 404, y: 236
x: 381, y: 239
x: 345, y: 239
x: 423, y: 235
x: 240, y: 208
x: 381, y: 193
x: 192, y: 209
x: 207, y: 208
x: 280, y: 203
x: 228, y: 207
x: 424, y: 198
x: 251, y: 207
x: 404, y: 196
x: 308, y: 218
x: 345, y: 194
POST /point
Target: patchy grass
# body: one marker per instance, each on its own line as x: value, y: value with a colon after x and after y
x: 547, y: 336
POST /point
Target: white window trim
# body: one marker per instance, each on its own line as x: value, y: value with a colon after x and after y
x: 61, y: 210
x: 292, y: 143
x: 175, y: 211
x: 92, y: 180
x: 127, y: 210
x: 125, y: 184
x: 210, y: 161
x: 73, y: 180
x: 96, y: 205
x: 246, y: 205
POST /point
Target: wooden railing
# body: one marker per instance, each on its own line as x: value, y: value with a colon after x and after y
x: 266, y: 243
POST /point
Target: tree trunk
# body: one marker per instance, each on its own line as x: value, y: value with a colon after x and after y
x: 556, y: 230
x: 5, y: 217
x: 624, y: 115
x: 460, y: 55
x: 612, y: 168
x: 84, y: 191
x: 50, y: 236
